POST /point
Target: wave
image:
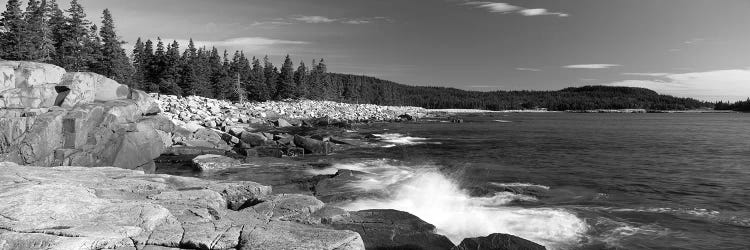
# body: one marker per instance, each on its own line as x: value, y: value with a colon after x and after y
x: 432, y: 196
x: 395, y: 139
x: 730, y: 218
x: 518, y: 184
x: 502, y: 121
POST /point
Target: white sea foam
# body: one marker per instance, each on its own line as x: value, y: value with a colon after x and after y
x: 396, y: 139
x: 503, y: 121
x: 437, y: 199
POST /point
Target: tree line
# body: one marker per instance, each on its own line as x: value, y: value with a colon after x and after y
x: 45, y: 33
x: 742, y: 106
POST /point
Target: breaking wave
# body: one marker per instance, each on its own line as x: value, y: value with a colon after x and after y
x: 434, y: 197
x: 396, y: 139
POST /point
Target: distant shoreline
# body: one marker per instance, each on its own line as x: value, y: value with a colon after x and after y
x: 595, y: 111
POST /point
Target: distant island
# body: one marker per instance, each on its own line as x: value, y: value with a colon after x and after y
x: 44, y: 33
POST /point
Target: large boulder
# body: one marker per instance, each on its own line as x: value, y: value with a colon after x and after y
x: 498, y: 242
x: 86, y: 87
x: 253, y: 139
x: 14, y: 74
x: 37, y: 96
x: 313, y: 146
x: 392, y: 229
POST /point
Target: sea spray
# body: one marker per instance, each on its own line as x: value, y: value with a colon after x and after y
x: 431, y: 195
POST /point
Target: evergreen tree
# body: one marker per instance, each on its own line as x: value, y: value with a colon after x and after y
x: 286, y: 87
x: 271, y: 76
x: 114, y: 62
x: 300, y: 79
x: 188, y: 78
x: 40, y: 46
x: 56, y: 22
x: 13, y: 43
x: 139, y: 64
x: 257, y: 88
x: 73, y: 54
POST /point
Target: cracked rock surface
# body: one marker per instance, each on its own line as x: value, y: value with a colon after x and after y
x: 113, y: 208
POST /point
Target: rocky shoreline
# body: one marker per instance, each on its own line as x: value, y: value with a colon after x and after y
x: 53, y: 120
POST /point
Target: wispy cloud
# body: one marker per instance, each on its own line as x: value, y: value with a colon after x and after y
x: 314, y: 19
x: 248, y: 44
x: 528, y: 69
x: 505, y: 8
x: 541, y: 12
x: 718, y: 85
x: 495, y: 7
x: 321, y: 20
x: 591, y: 66
x: 646, y: 74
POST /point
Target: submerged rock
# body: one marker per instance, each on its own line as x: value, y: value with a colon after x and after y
x: 214, y: 162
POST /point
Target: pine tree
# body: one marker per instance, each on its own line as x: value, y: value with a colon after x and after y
x: 257, y: 88
x: 56, y: 22
x: 13, y: 44
x: 300, y: 79
x: 73, y: 54
x: 114, y: 62
x: 39, y: 45
x: 139, y: 65
x: 271, y: 76
x: 188, y: 78
x: 286, y: 87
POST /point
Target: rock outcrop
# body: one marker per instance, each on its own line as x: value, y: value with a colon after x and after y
x: 498, y: 242
x: 53, y: 118
x: 113, y: 208
x: 392, y: 229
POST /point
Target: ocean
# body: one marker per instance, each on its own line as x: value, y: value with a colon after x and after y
x: 564, y: 180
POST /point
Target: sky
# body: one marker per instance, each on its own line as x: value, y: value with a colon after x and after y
x: 690, y: 48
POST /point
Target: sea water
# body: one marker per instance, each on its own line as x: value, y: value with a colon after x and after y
x: 567, y: 181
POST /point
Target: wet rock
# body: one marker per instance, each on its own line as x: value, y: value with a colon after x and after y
x: 214, y: 162
x: 498, y: 242
x: 392, y: 229
x: 313, y: 146
x: 253, y: 139
x: 281, y: 123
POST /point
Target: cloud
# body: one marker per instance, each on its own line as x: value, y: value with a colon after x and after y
x: 355, y: 21
x: 248, y: 44
x: 645, y: 74
x: 540, y: 12
x: 495, y: 7
x: 718, y: 85
x: 591, y: 66
x: 314, y: 19
x: 506, y: 8
x: 528, y: 69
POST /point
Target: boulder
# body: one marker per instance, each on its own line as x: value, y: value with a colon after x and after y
x: 253, y: 139
x: 279, y: 235
x: 28, y: 74
x: 133, y: 149
x: 86, y: 87
x: 498, y: 242
x: 281, y: 123
x: 37, y: 96
x: 214, y: 162
x: 392, y: 229
x: 313, y: 146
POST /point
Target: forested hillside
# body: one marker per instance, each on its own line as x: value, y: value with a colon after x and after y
x: 45, y: 33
